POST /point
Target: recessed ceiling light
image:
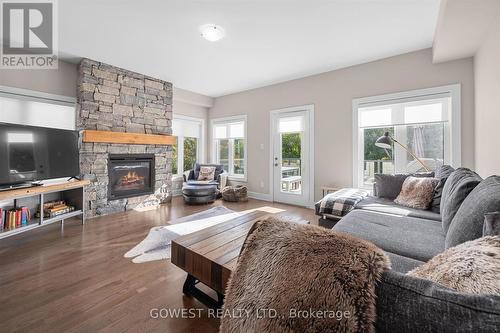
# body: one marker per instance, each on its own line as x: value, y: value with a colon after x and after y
x: 212, y: 32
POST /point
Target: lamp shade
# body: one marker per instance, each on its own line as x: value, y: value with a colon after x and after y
x: 384, y: 141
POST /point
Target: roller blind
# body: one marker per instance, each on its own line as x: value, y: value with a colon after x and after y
x: 406, y: 112
x: 186, y: 128
x: 291, y: 124
x: 36, y: 112
x: 232, y: 130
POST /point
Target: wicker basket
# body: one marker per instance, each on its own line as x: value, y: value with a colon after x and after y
x: 235, y: 193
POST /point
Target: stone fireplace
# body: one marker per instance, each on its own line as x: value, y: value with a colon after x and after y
x: 114, y: 99
x: 130, y: 175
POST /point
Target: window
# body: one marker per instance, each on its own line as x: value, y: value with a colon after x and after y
x: 25, y: 107
x: 187, y: 149
x: 175, y: 161
x: 426, y: 121
x: 190, y: 152
x: 230, y: 145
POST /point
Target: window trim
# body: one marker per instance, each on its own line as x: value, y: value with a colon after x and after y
x: 200, y: 149
x: 214, y: 145
x: 454, y: 91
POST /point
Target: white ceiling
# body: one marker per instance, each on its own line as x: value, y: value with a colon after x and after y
x: 462, y: 27
x: 268, y: 41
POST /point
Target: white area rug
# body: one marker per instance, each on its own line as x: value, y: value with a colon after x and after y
x: 156, y: 245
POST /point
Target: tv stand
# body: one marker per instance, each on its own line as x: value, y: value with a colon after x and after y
x: 71, y: 192
x: 15, y: 186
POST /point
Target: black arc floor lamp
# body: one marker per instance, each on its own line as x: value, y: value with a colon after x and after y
x: 386, y: 141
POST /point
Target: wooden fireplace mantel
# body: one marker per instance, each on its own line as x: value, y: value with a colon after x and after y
x: 127, y: 138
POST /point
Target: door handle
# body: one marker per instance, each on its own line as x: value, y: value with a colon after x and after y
x: 275, y: 164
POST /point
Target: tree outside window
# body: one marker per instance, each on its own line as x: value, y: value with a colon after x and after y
x: 376, y: 159
x: 174, y: 158
x: 190, y: 152
x: 223, y: 147
x: 291, y: 150
x: 239, y: 156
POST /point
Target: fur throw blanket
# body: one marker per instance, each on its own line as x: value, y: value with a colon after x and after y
x: 302, y: 278
x: 471, y: 267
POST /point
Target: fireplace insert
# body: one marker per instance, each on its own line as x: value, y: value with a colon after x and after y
x: 130, y: 175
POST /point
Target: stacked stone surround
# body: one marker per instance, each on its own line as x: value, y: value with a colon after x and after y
x: 113, y: 99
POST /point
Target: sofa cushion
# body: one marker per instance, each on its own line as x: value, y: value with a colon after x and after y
x: 469, y: 219
x: 415, y: 238
x: 206, y: 173
x: 409, y: 304
x: 442, y: 173
x: 491, y: 224
x: 219, y: 168
x: 389, y: 186
x: 388, y: 206
x: 417, y: 192
x: 403, y: 264
x: 457, y: 187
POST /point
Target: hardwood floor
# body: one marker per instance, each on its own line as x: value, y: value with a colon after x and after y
x: 75, y: 279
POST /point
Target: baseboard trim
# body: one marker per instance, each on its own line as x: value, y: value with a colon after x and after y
x: 260, y: 196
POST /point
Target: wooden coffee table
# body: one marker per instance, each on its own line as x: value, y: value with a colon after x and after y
x: 210, y: 255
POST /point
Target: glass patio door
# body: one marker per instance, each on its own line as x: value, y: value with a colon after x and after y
x: 291, y: 157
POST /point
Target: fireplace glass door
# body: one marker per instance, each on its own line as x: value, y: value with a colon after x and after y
x: 130, y: 175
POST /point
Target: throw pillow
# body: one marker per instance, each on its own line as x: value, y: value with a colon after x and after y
x: 442, y: 173
x: 457, y: 187
x: 207, y: 173
x: 491, y: 224
x: 467, y: 224
x: 389, y: 186
x: 218, y: 170
x: 471, y: 267
x: 417, y: 192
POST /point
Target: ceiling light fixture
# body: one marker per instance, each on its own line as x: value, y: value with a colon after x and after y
x: 212, y: 32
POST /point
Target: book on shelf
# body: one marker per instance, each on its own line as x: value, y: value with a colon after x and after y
x: 55, y: 208
x: 14, y: 218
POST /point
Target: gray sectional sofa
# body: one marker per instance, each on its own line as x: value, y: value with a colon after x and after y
x: 410, y: 237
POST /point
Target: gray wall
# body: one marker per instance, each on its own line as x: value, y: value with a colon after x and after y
x: 487, y: 90
x: 60, y: 82
x: 190, y: 109
x: 188, y: 103
x: 332, y: 94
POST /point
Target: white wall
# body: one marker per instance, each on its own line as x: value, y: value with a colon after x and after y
x: 332, y: 95
x: 487, y: 98
x: 468, y: 28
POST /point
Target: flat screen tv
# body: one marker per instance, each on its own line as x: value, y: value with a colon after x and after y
x: 29, y: 153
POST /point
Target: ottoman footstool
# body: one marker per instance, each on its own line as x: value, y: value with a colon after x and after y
x: 199, y: 194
